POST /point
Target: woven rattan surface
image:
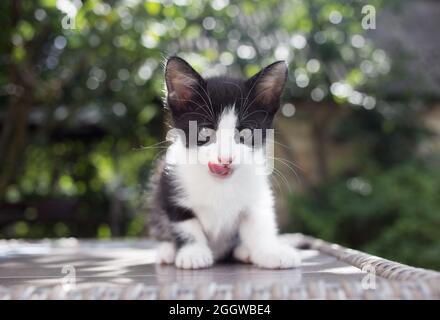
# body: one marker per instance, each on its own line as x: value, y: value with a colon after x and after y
x: 72, y: 269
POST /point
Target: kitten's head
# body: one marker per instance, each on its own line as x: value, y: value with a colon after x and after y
x: 224, y: 120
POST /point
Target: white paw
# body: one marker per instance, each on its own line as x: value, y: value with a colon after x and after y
x: 242, y: 253
x: 166, y: 253
x: 194, y: 256
x: 279, y: 256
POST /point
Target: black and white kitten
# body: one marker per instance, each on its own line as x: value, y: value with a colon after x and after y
x: 208, y: 198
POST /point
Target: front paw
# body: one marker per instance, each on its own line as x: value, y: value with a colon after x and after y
x: 242, y: 253
x: 279, y: 256
x: 194, y: 256
x: 166, y: 252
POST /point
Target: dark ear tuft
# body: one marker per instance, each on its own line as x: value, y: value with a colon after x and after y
x: 268, y: 84
x: 182, y: 82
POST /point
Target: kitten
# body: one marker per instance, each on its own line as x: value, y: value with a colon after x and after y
x: 206, y: 202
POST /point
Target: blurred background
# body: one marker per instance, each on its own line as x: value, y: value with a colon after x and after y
x: 81, y: 88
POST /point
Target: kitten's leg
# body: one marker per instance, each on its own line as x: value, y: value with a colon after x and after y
x: 166, y: 253
x: 258, y: 234
x: 194, y: 252
x: 242, y: 253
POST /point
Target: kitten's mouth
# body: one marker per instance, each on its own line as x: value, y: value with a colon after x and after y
x: 220, y: 170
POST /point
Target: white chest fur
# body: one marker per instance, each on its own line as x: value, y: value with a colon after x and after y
x: 219, y: 203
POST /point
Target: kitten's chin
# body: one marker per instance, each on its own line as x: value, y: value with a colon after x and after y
x: 219, y: 170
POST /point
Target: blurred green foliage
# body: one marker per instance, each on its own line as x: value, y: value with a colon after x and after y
x: 391, y: 213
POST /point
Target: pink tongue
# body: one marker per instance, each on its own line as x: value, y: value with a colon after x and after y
x: 218, y: 169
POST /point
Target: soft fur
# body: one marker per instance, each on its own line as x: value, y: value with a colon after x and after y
x: 199, y: 217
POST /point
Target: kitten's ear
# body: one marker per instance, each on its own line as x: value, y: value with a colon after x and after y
x: 182, y: 82
x: 268, y: 84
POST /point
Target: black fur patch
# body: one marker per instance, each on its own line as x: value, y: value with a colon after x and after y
x: 168, y: 192
x: 206, y: 99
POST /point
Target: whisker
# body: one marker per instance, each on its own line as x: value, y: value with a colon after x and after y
x: 159, y: 154
x: 290, y: 169
x: 197, y: 113
x: 209, y: 106
x: 291, y: 162
x: 274, y: 179
x: 252, y: 102
x: 200, y: 106
x: 283, y: 145
x: 237, y: 86
x: 153, y: 146
x: 254, y: 112
x: 283, y: 178
x: 247, y: 96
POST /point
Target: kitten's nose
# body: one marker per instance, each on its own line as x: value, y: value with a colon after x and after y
x: 224, y: 160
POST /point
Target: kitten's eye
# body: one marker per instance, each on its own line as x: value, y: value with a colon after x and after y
x: 245, y: 136
x: 205, y: 136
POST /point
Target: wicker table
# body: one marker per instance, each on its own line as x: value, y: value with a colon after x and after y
x: 125, y: 269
